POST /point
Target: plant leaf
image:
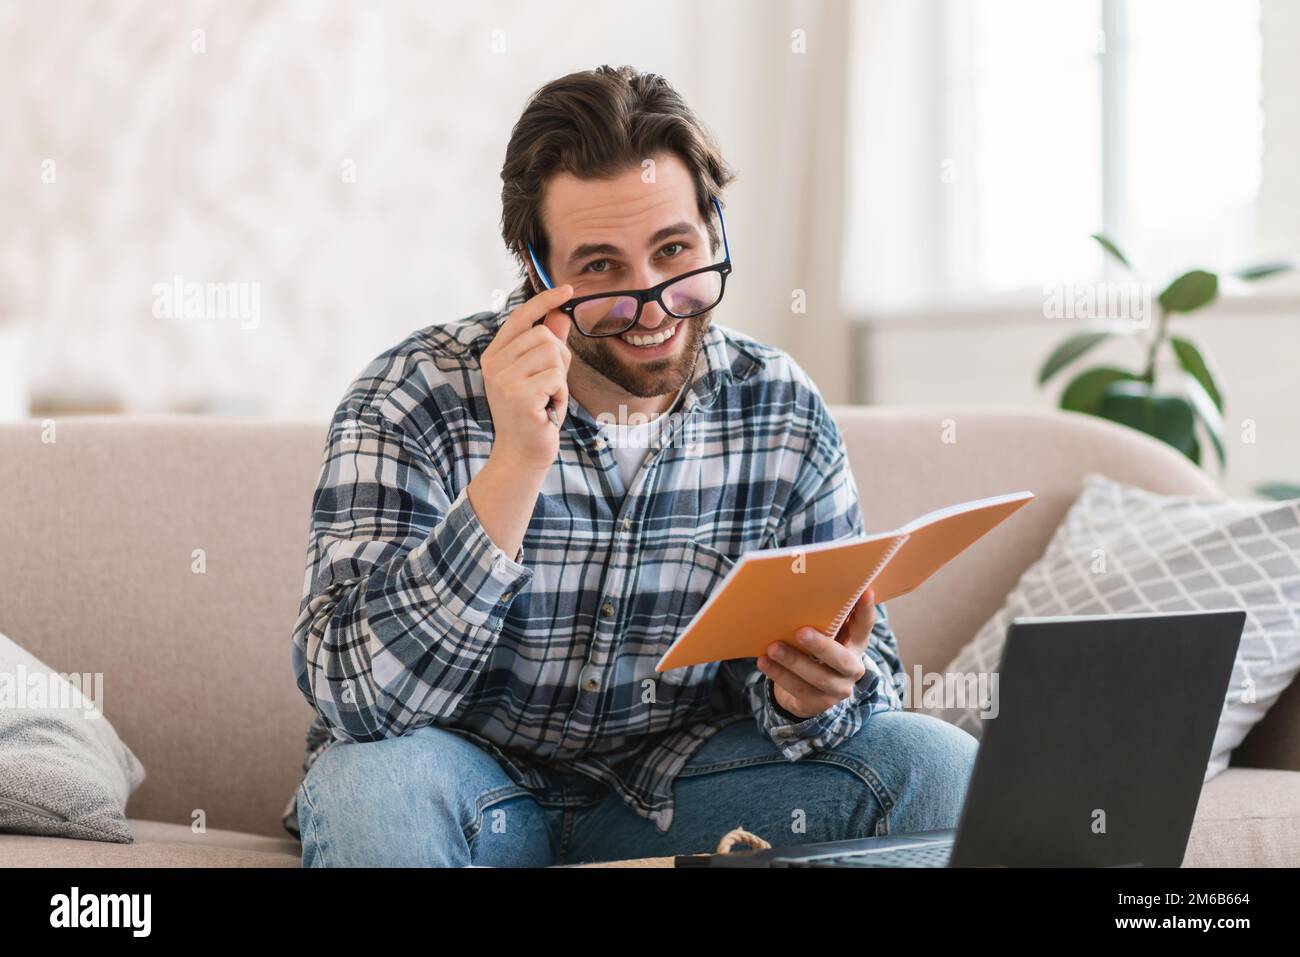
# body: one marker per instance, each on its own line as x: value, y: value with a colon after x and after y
x: 1278, y: 490
x: 1166, y: 417
x: 1205, y: 410
x: 1085, y: 390
x: 1263, y: 270
x: 1068, y: 351
x: 1194, y: 364
x: 1190, y: 291
x: 1111, y: 248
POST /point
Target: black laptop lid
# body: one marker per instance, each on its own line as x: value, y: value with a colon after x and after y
x: 1101, y: 741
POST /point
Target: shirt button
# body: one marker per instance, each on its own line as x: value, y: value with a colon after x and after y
x: 506, y: 596
x: 627, y: 524
x: 607, y: 609
x: 589, y: 679
x: 600, y: 443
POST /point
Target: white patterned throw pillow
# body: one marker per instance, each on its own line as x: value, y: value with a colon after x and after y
x: 1122, y: 549
x: 64, y: 772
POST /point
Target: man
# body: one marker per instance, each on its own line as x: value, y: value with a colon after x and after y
x: 498, y: 560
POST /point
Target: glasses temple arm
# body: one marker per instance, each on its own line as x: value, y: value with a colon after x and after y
x: 726, y: 249
x: 538, y: 266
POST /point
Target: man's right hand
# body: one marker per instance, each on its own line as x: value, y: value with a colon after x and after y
x: 525, y: 367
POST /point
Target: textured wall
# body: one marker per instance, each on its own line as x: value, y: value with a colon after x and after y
x: 135, y: 150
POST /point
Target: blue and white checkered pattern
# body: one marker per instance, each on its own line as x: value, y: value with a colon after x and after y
x: 411, y: 616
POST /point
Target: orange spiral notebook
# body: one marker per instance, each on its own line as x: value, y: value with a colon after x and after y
x: 771, y: 593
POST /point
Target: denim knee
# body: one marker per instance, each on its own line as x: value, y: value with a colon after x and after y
x: 413, y: 800
x: 944, y: 759
x: 922, y: 763
x: 946, y: 748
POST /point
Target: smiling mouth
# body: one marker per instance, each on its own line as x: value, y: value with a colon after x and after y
x: 644, y: 341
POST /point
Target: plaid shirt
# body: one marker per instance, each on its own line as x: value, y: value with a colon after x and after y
x: 411, y: 616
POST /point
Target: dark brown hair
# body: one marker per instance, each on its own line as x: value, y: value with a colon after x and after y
x: 595, y: 124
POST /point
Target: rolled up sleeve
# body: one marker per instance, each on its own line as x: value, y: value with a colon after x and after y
x: 823, y: 506
x: 405, y: 593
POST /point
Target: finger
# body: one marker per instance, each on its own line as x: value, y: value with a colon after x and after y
x: 824, y: 677
x: 556, y: 389
x: 860, y: 624
x: 538, y: 337
x: 543, y: 355
x: 560, y: 400
x: 535, y: 309
x: 838, y: 656
x: 537, y: 392
x: 790, y: 682
x: 559, y: 323
x: 549, y: 385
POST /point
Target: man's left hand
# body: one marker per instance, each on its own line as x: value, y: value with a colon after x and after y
x: 814, y: 672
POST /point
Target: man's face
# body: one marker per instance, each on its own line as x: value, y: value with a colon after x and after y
x: 624, y: 233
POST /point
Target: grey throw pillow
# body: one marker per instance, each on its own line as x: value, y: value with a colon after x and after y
x: 1123, y: 549
x: 64, y: 772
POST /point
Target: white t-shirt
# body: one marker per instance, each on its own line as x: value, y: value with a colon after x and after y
x: 629, y: 443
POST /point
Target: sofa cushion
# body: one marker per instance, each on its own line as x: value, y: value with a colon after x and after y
x: 1122, y: 549
x: 63, y: 770
x: 1247, y: 817
x: 157, y: 844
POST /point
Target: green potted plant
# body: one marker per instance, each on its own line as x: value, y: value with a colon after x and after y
x: 1278, y: 490
x: 1132, y: 397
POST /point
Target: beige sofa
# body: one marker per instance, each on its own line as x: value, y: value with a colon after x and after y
x: 98, y: 539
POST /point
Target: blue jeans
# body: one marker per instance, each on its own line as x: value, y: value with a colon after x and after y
x: 433, y: 798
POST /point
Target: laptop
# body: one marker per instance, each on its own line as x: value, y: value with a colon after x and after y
x: 1095, y: 758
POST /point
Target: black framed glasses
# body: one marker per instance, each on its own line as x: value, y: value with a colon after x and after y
x: 613, y: 313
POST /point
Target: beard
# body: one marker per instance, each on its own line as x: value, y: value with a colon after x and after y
x: 645, y: 379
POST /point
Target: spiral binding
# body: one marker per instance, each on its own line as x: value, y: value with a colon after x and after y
x: 844, y: 612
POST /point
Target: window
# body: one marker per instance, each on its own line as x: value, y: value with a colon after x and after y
x: 991, y: 137
x: 1192, y: 137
